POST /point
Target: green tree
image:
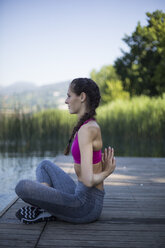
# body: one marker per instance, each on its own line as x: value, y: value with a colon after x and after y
x: 109, y: 83
x: 142, y: 69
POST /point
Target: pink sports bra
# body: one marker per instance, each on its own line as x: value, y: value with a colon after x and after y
x: 76, y: 151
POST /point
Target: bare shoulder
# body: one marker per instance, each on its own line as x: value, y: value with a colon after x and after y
x: 91, y: 129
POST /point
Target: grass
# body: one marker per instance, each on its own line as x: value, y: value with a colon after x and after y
x: 133, y: 127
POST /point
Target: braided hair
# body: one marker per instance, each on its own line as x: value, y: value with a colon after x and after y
x: 92, y: 91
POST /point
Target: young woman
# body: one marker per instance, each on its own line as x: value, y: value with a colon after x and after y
x: 55, y: 194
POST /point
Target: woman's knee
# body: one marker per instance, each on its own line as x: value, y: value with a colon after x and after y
x: 22, y: 189
x: 46, y: 165
x: 42, y: 164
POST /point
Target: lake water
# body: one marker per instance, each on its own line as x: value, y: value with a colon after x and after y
x: 14, y: 167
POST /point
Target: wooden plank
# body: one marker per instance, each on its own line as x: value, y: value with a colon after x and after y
x: 92, y: 243
x: 113, y: 225
x: 8, y: 206
x: 20, y: 235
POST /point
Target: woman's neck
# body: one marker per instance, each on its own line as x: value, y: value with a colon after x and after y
x: 82, y: 112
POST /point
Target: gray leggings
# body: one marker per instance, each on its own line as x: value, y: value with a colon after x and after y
x: 65, y: 199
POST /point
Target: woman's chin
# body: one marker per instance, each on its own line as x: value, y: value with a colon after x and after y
x: 71, y: 111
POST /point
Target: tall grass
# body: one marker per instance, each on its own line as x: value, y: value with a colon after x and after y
x: 133, y: 127
x: 45, y: 130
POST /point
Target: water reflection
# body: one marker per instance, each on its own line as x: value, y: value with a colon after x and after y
x: 126, y: 146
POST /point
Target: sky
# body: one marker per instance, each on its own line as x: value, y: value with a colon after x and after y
x: 50, y: 41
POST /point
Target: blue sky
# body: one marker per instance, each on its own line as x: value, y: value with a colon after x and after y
x: 48, y: 41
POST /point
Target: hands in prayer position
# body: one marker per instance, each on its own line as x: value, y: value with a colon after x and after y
x: 108, y: 161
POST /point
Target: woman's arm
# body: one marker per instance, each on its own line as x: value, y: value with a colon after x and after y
x: 85, y: 137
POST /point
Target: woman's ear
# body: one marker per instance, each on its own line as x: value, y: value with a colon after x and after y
x: 83, y: 96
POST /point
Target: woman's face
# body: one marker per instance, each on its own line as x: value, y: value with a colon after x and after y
x: 73, y: 101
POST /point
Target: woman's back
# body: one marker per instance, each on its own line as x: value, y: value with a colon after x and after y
x: 94, y: 130
x: 96, y: 142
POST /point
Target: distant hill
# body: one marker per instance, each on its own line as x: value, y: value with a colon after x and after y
x: 18, y: 87
x: 30, y: 98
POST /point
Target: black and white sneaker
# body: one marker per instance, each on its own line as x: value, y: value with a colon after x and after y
x: 30, y: 215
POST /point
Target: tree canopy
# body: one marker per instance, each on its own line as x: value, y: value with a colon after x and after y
x: 142, y: 69
x: 109, y: 83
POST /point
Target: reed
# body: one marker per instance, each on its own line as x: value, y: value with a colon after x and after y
x: 133, y: 127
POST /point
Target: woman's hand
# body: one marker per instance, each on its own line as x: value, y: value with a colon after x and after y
x: 108, y: 161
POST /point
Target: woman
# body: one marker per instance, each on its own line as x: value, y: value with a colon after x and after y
x: 55, y: 194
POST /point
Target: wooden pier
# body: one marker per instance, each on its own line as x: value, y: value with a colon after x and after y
x: 133, y: 214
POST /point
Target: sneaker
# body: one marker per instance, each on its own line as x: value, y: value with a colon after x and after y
x: 31, y: 215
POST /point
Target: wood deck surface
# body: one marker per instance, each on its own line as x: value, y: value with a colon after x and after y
x: 133, y: 214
